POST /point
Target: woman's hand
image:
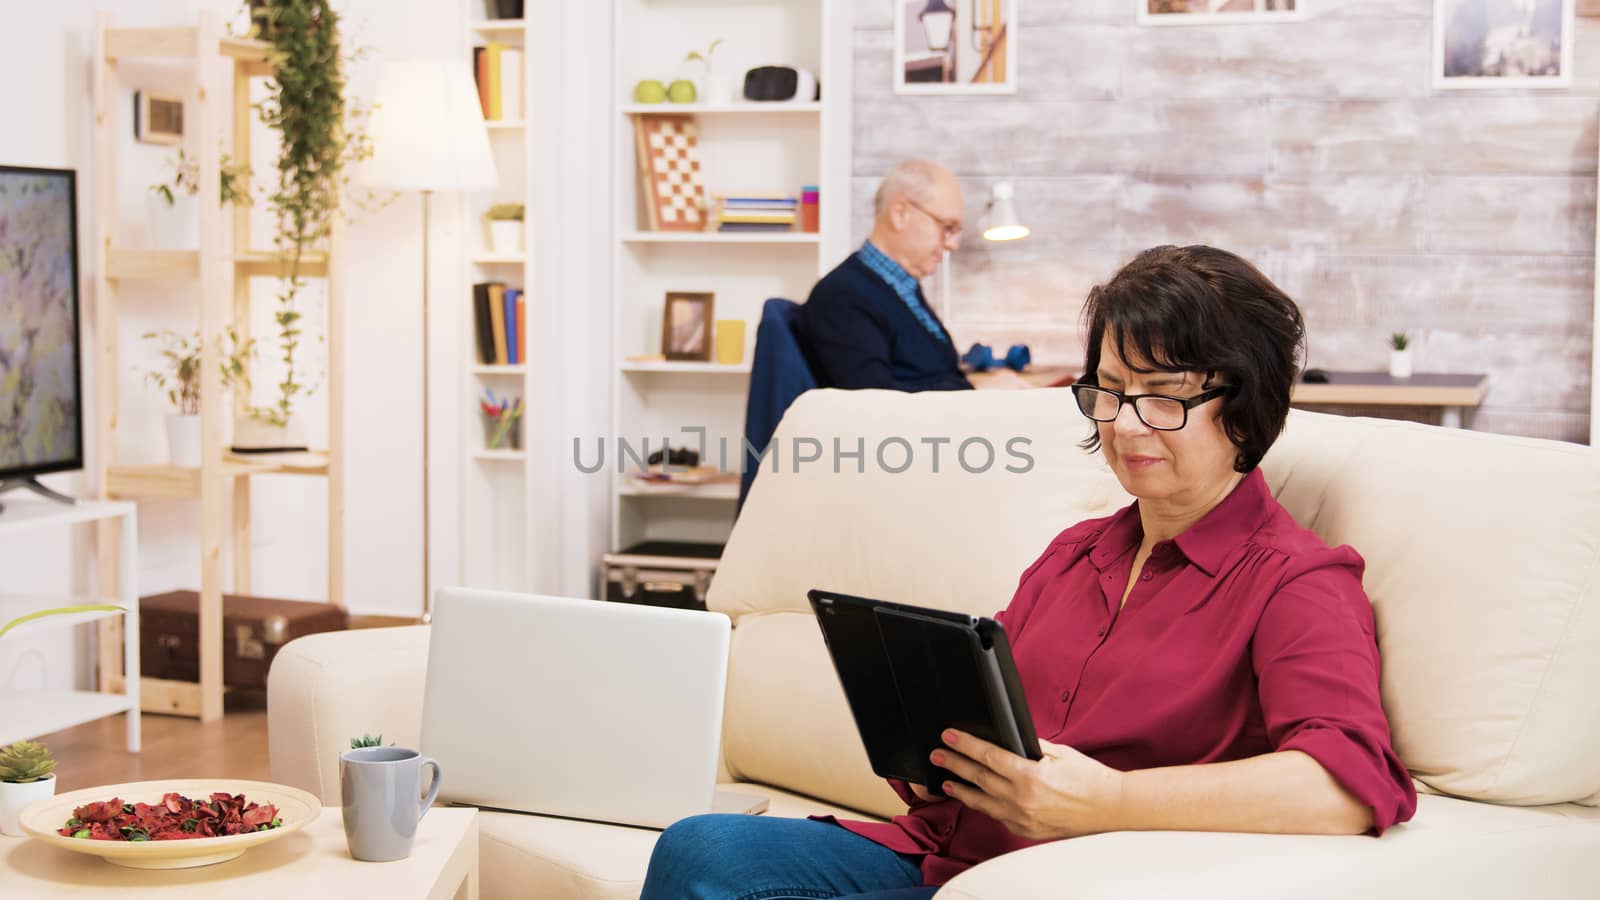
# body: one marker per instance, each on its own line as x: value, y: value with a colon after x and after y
x: 1066, y: 794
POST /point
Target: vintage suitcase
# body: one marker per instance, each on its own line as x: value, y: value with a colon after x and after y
x: 253, y: 629
x: 662, y: 573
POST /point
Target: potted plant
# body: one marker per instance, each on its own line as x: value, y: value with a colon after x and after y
x: 306, y: 106
x: 1400, y: 355
x: 714, y: 89
x: 178, y: 377
x: 505, y: 228
x: 26, y: 776
x: 174, y: 215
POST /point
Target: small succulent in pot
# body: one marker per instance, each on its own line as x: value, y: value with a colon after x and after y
x: 366, y: 740
x: 24, y: 762
x: 1399, y: 340
x: 27, y: 775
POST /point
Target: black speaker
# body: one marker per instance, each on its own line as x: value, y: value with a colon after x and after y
x: 778, y: 83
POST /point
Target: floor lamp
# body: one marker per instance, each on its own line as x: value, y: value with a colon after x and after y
x: 427, y: 135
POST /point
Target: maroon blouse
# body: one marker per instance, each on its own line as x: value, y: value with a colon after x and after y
x: 1245, y: 635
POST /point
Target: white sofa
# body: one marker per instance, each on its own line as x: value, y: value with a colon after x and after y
x: 1483, y: 557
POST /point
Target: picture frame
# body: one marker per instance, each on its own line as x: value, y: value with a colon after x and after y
x: 686, y: 326
x: 1500, y: 44
x: 955, y: 46
x: 157, y: 118
x: 1218, y: 12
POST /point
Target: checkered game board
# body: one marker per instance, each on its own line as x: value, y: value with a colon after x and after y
x: 669, y: 172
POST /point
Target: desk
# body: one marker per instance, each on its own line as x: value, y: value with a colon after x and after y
x: 1031, y: 377
x: 1452, y: 394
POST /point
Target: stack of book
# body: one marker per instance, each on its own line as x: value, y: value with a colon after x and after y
x: 497, y: 69
x: 757, y: 212
x: 501, y: 318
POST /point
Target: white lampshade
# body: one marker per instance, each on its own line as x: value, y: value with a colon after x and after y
x: 1000, y: 223
x: 427, y: 130
x: 938, y: 20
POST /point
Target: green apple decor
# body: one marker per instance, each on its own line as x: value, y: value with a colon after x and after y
x: 649, y: 91
x: 681, y: 91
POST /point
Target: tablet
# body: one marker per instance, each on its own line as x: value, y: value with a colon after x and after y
x: 909, y: 673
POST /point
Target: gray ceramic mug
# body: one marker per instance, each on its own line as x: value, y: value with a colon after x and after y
x: 383, y: 802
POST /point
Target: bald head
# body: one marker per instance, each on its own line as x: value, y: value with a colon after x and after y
x: 917, y: 215
x: 915, y: 180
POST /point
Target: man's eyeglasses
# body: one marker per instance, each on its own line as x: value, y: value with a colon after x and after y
x: 1158, y: 411
x: 951, y: 230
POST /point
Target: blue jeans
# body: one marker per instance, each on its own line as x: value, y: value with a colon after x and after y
x: 726, y: 857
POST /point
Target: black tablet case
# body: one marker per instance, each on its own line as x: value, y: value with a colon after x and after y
x: 909, y: 673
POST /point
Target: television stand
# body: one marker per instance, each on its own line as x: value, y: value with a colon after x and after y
x: 32, y: 484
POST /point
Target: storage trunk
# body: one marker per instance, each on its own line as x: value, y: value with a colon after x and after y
x: 253, y: 629
x: 662, y: 573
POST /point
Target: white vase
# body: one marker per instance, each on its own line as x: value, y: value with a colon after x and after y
x: 183, y: 440
x: 505, y: 237
x: 716, y: 89
x: 1400, y: 363
x: 14, y: 798
x: 252, y: 434
x: 175, y: 225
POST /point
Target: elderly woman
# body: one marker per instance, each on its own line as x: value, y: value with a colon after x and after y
x: 1196, y: 661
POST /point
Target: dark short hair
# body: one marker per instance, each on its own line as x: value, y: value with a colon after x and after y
x: 1200, y: 309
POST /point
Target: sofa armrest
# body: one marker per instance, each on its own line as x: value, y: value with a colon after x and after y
x: 324, y: 689
x: 1453, y: 848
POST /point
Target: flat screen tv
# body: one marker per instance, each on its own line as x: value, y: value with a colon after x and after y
x: 41, y: 397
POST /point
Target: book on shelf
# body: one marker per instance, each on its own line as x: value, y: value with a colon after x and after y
x: 497, y: 69
x: 756, y: 228
x: 521, y: 318
x: 483, y: 323
x: 497, y: 321
x: 500, y: 324
x: 511, y: 84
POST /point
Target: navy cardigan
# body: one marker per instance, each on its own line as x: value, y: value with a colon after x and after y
x: 860, y: 334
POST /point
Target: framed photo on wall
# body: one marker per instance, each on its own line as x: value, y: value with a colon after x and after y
x: 1218, y: 12
x: 955, y: 46
x: 686, y: 324
x: 1502, y: 44
x: 157, y: 119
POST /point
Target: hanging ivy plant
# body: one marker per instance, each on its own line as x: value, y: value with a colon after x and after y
x: 306, y: 106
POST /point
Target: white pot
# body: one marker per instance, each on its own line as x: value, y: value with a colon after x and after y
x: 505, y: 237
x: 14, y: 798
x: 1400, y: 363
x: 716, y: 89
x: 250, y: 433
x: 175, y: 225
x: 183, y: 440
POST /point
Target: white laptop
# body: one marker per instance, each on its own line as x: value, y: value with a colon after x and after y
x: 577, y: 708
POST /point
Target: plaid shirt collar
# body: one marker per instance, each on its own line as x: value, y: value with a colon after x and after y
x: 892, y: 273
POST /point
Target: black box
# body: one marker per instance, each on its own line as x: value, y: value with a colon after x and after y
x: 662, y: 573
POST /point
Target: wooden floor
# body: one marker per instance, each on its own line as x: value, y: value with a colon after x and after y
x: 96, y: 753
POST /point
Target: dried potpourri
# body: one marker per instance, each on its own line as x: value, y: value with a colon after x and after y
x: 175, y: 818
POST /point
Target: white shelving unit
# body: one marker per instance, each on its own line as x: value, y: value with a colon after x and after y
x: 497, y: 497
x: 743, y: 146
x: 34, y: 713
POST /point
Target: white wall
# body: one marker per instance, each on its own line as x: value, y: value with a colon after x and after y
x: 47, y: 47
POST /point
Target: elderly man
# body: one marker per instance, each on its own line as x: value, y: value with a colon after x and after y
x: 866, y: 323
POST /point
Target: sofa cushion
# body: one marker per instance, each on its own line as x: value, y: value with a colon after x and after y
x: 1453, y: 848
x: 789, y: 724
x: 933, y: 535
x: 549, y: 858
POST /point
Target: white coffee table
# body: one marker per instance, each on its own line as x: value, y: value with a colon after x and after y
x: 314, y: 862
